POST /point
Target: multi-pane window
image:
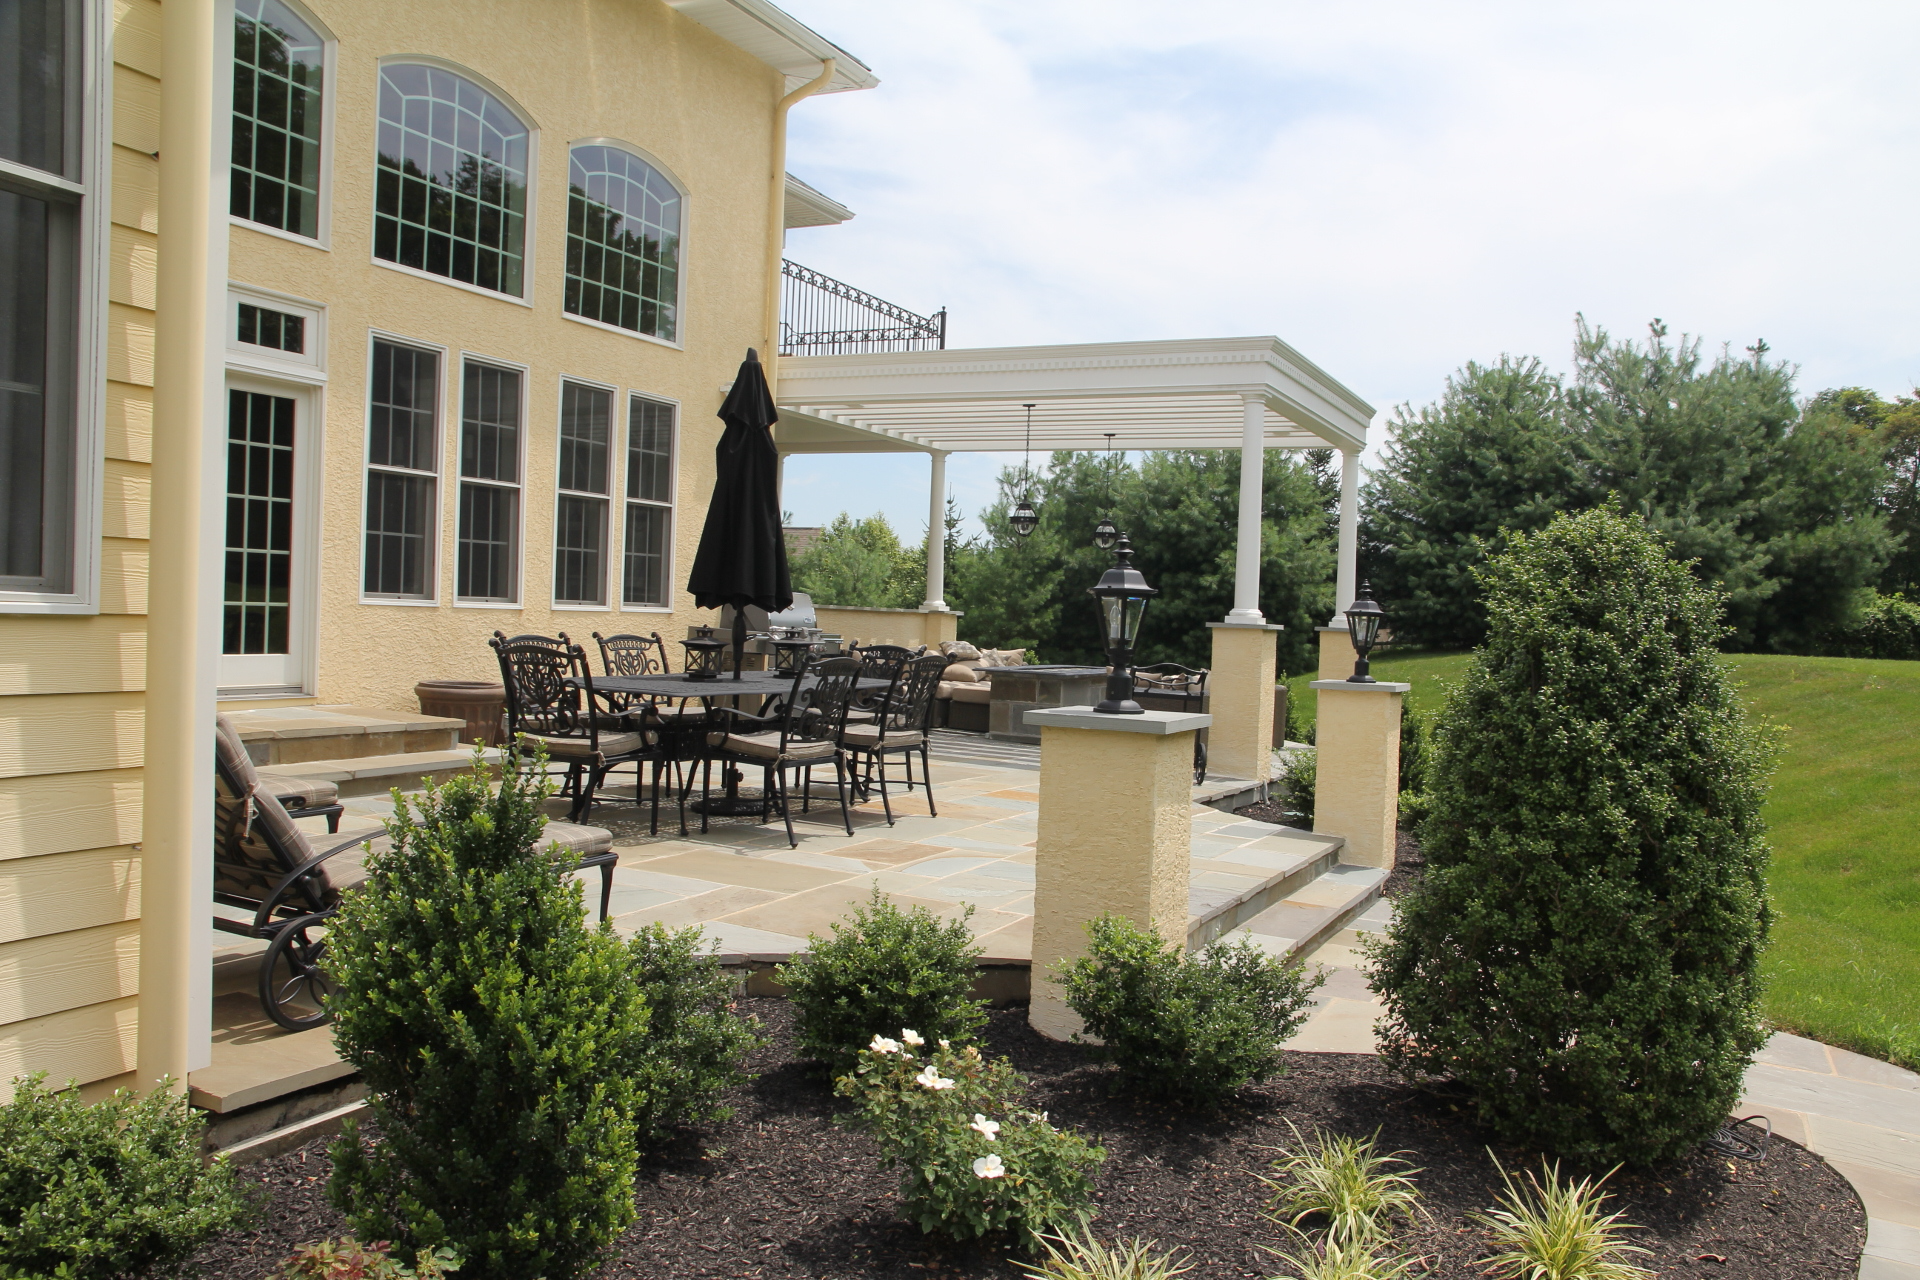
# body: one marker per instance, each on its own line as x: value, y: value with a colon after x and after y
x: 580, y: 514
x: 265, y: 327
x: 402, y: 472
x: 277, y: 71
x: 623, y: 242
x: 41, y: 207
x: 649, y: 538
x: 451, y: 188
x: 259, y: 587
x: 487, y: 557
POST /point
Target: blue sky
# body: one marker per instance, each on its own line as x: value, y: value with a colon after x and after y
x: 1393, y: 188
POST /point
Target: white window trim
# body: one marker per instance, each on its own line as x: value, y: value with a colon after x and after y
x: 608, y: 556
x: 686, y: 221
x: 329, y: 96
x: 309, y: 366
x: 456, y: 429
x: 438, y: 521
x: 672, y: 504
x: 529, y: 241
x: 309, y: 454
x: 90, y: 345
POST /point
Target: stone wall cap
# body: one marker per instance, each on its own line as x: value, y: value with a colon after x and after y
x: 1159, y: 723
x: 1378, y: 686
x: 1247, y: 626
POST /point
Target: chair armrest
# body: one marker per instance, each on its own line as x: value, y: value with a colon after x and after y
x: 265, y: 914
x: 724, y: 718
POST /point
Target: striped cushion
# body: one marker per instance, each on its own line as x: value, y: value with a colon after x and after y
x: 611, y: 744
x: 766, y: 746
x: 868, y: 736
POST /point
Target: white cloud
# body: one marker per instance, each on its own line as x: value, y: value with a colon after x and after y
x: 1394, y: 188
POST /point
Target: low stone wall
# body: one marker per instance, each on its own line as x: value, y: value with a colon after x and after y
x: 909, y: 627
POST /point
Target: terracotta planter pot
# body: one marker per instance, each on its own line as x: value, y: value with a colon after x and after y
x: 483, y: 706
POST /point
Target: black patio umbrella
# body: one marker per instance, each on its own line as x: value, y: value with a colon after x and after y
x: 742, y: 558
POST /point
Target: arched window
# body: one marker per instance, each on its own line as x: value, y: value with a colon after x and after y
x: 276, y: 117
x: 623, y: 242
x: 451, y: 193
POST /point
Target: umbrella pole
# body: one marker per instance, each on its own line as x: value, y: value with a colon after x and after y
x: 739, y: 637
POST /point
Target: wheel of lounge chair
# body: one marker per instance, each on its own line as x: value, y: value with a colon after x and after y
x: 1199, y: 762
x: 293, y: 990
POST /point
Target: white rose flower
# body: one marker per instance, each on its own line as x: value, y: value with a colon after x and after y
x: 989, y: 1129
x: 989, y: 1167
x: 883, y: 1045
x: 912, y: 1037
x: 932, y: 1079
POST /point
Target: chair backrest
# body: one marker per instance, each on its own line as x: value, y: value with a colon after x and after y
x: 817, y: 709
x: 255, y: 843
x: 631, y: 655
x: 535, y: 670
x: 1172, y: 678
x: 882, y: 661
x: 910, y: 702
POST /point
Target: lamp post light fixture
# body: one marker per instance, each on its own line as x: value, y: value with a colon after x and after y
x: 703, y: 658
x: 1121, y: 596
x: 1363, y: 628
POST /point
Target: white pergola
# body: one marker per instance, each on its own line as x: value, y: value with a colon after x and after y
x: 1250, y: 394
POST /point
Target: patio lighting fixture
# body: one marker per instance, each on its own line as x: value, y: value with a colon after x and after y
x: 1363, y: 628
x: 703, y: 658
x: 1121, y: 597
x: 1104, y: 533
x: 790, y: 657
x: 1023, y: 517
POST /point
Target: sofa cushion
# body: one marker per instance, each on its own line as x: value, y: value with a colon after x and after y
x: 960, y: 673
x: 981, y: 693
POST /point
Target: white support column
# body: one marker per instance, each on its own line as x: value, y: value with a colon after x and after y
x: 1253, y: 469
x: 937, y: 533
x: 1346, y: 581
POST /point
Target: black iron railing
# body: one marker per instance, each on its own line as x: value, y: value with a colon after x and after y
x: 821, y: 316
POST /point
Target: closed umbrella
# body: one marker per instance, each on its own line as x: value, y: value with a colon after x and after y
x: 742, y: 558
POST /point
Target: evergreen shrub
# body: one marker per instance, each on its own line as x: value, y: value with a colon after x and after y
x: 882, y: 970
x: 1190, y: 1027
x: 1583, y: 951
x: 1294, y: 787
x: 1885, y: 627
x: 971, y: 1161
x: 494, y: 1030
x: 92, y: 1191
x: 695, y: 1040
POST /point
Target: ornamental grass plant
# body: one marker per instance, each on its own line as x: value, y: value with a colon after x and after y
x: 1190, y: 1027
x: 1555, y: 1230
x: 1344, y: 1185
x: 971, y: 1160
x: 881, y: 970
x: 1582, y: 954
x: 1081, y: 1255
x: 94, y: 1190
x: 495, y: 1031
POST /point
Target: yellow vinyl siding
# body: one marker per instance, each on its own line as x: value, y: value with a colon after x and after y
x: 71, y: 654
x: 123, y: 576
x: 136, y: 35
x: 136, y: 109
x: 132, y: 259
x: 70, y: 732
x: 136, y: 189
x: 39, y: 976
x: 129, y: 422
x: 84, y: 1044
x: 129, y: 344
x: 62, y: 812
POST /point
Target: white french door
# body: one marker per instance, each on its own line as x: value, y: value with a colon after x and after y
x: 266, y: 603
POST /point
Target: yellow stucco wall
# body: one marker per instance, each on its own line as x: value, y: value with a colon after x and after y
x: 71, y: 687
x: 636, y: 72
x: 910, y: 627
x: 1240, y: 743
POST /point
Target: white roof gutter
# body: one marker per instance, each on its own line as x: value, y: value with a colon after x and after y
x: 779, y: 40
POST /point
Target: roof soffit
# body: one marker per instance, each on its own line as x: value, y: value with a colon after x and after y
x: 780, y: 40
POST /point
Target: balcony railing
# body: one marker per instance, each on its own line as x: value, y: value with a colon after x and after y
x: 821, y: 316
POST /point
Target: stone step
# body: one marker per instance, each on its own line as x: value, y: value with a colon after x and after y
x: 1315, y: 911
x: 1315, y: 856
x: 328, y: 734
x: 377, y: 775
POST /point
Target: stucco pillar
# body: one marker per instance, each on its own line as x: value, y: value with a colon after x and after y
x: 1356, y: 787
x: 937, y: 625
x: 1253, y: 470
x: 937, y: 532
x: 1240, y: 697
x: 1347, y: 553
x: 1336, y: 651
x: 1114, y: 836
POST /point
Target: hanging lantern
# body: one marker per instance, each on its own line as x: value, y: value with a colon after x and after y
x: 1363, y: 628
x: 703, y: 658
x: 1023, y: 518
x: 1121, y: 597
x: 1104, y: 533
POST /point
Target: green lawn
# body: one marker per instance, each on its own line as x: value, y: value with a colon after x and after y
x: 1845, y: 817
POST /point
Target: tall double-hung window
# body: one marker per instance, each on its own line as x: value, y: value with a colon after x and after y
x: 277, y: 74
x: 488, y: 556
x: 580, y: 513
x: 403, y: 472
x: 450, y: 193
x: 623, y: 242
x: 648, y: 547
x: 45, y: 213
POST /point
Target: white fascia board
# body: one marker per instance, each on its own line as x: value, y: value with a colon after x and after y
x: 808, y: 207
x: 780, y: 40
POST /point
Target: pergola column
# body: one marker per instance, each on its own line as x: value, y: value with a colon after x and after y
x: 1336, y: 650
x: 937, y: 533
x: 1253, y: 469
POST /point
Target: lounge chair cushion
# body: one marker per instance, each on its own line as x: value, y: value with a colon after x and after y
x: 233, y: 752
x: 611, y: 744
x: 581, y: 841
x: 866, y: 736
x: 300, y: 793
x: 766, y: 746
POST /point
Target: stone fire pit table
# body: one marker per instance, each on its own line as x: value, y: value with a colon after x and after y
x: 1018, y: 690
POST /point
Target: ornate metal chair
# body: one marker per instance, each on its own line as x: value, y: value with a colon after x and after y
x: 551, y: 701
x: 900, y: 728
x: 675, y: 729
x: 1168, y: 686
x: 801, y: 733
x: 878, y: 662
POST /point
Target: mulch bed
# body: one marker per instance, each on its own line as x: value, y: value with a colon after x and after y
x: 780, y: 1191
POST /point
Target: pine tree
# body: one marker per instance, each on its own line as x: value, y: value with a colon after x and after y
x: 1583, y: 954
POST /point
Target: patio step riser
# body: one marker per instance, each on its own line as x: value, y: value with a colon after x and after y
x: 377, y: 775
x: 350, y: 746
x: 1337, y: 921
x: 1232, y: 915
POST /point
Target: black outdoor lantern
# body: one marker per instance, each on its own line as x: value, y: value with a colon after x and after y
x: 1023, y: 517
x: 790, y: 657
x: 1104, y: 533
x: 703, y: 658
x: 1363, y: 628
x: 1121, y: 597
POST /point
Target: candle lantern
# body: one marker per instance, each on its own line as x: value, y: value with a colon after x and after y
x: 703, y: 658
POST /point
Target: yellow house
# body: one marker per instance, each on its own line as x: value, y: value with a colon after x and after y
x: 333, y: 336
